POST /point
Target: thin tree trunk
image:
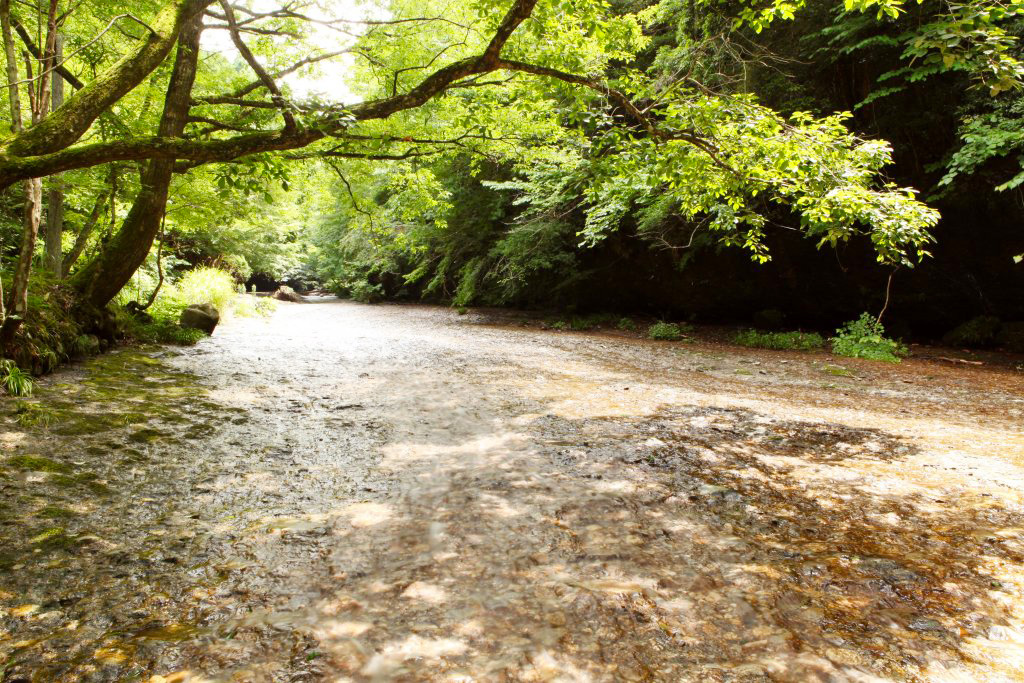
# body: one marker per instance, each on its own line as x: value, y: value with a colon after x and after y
x: 39, y: 100
x: 102, y: 278
x: 14, y: 100
x: 83, y: 235
x: 55, y: 207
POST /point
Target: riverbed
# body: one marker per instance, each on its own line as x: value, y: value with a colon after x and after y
x: 346, y: 492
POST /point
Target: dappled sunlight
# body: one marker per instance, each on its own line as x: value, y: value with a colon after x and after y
x: 389, y: 662
x: 362, y: 515
x: 580, y: 511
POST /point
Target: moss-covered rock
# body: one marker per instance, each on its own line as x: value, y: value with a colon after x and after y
x: 37, y: 463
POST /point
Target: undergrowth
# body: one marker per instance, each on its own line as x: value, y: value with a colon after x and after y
x: 792, y: 341
x: 15, y: 381
x: 664, y: 331
x: 198, y: 286
x: 865, y: 338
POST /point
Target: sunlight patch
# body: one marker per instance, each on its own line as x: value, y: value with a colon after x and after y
x: 387, y: 662
x: 368, y: 514
x: 427, y: 592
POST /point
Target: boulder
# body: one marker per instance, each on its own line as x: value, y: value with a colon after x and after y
x: 286, y: 293
x: 200, y: 317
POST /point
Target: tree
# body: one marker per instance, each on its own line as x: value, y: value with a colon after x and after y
x: 716, y: 154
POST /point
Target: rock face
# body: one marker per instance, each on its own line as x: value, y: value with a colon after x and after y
x: 286, y: 293
x: 200, y: 317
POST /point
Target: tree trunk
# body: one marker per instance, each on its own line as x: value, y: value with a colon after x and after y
x: 102, y: 278
x: 83, y: 235
x: 14, y: 100
x: 55, y: 207
x: 33, y: 210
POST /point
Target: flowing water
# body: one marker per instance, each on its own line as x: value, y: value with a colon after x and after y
x: 371, y: 493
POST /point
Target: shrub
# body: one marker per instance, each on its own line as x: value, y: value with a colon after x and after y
x: 15, y: 381
x: 582, y: 324
x: 626, y: 325
x: 664, y: 331
x: 979, y: 331
x: 366, y: 293
x: 1011, y: 337
x: 207, y: 285
x: 865, y: 338
x: 795, y: 341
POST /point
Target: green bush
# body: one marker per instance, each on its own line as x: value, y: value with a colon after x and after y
x: 1011, y: 337
x: 626, y: 325
x: 207, y: 285
x: 979, y: 331
x: 664, y: 331
x: 865, y: 338
x: 795, y: 341
x: 15, y: 381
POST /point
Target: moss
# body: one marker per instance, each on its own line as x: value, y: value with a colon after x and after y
x: 84, y: 424
x: 146, y: 435
x: 33, y: 414
x: 87, y: 480
x: 838, y: 371
x: 56, y: 512
x: 37, y: 463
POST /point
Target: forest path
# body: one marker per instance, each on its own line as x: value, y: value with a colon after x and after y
x: 350, y: 492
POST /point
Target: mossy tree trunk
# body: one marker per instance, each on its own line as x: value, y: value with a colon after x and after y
x: 103, y: 277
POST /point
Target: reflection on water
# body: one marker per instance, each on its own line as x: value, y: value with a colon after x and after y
x: 397, y: 493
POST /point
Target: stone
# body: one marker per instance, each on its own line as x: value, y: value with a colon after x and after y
x: 200, y: 317
x: 286, y: 293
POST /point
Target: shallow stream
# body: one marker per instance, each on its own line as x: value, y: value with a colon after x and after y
x: 368, y: 493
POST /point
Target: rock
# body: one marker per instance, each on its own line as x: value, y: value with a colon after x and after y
x: 286, y: 293
x: 200, y: 317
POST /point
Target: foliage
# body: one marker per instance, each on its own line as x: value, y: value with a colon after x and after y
x: 794, y: 341
x: 1011, y: 337
x: 49, y: 334
x: 979, y: 331
x: 665, y: 331
x: 159, y: 331
x: 626, y: 325
x: 15, y: 381
x: 207, y: 285
x: 865, y: 338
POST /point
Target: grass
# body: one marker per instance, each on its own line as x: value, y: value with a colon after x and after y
x: 788, y: 341
x: 15, y: 381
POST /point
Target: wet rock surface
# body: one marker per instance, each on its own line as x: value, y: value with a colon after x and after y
x: 363, y: 493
